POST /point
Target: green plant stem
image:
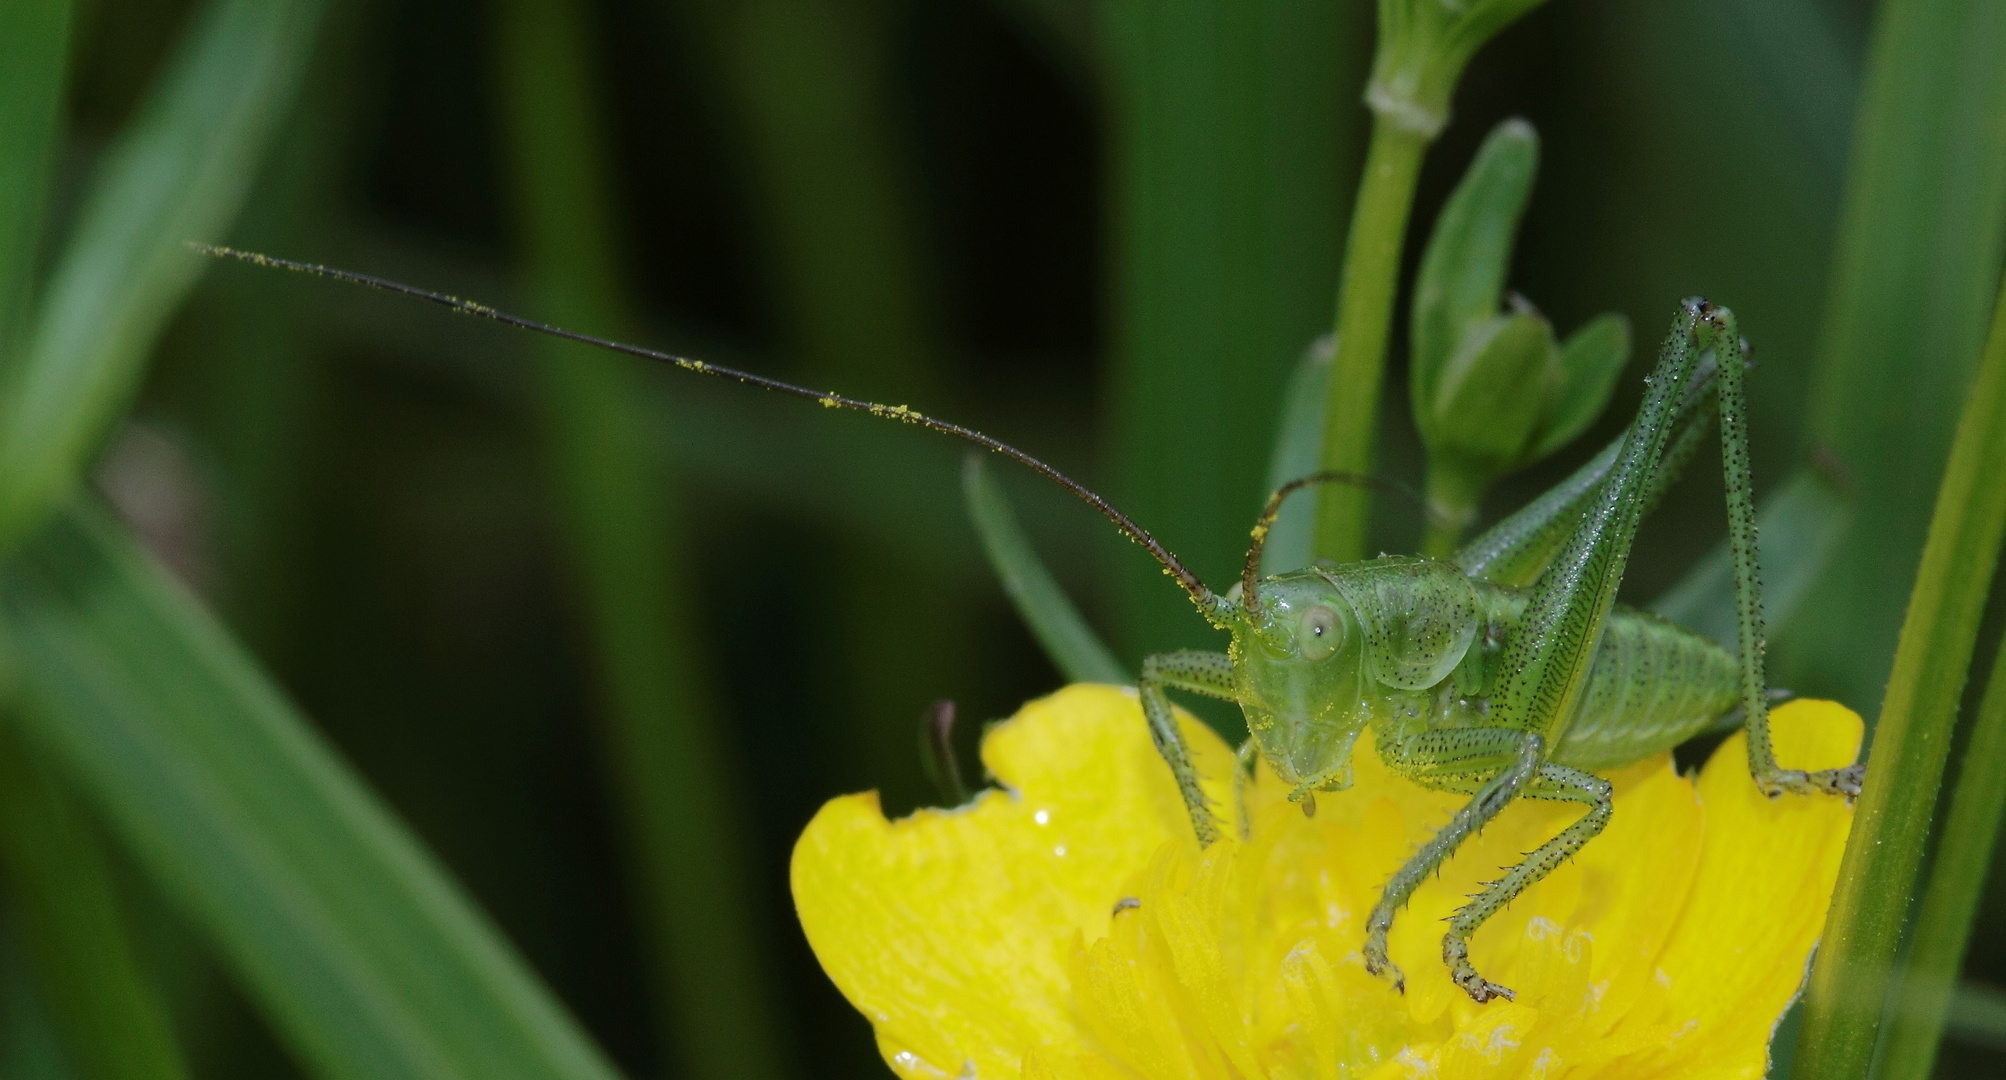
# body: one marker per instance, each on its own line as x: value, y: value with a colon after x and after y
x: 1366, y: 289
x: 660, y: 736
x: 113, y: 1023
x: 1950, y: 899
x: 1452, y: 505
x: 1850, y: 980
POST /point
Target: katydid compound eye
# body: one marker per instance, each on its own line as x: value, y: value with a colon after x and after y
x: 1319, y: 634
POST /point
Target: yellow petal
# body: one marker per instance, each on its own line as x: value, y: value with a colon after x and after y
x: 982, y: 939
x: 946, y: 929
x: 1765, y: 878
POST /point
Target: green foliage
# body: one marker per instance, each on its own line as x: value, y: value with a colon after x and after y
x: 357, y: 946
x: 1927, y: 996
x: 1423, y: 47
x: 176, y: 174
x: 627, y: 554
x: 794, y: 196
x: 1494, y: 392
x: 34, y: 43
x: 1800, y: 525
x: 1231, y: 143
x: 1071, y: 644
x: 1298, y: 442
x: 1917, y: 258
x: 1850, y: 980
x: 60, y: 879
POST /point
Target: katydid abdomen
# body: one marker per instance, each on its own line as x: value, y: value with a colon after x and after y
x: 1654, y: 685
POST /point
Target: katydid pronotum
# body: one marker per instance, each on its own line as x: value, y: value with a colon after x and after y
x: 1505, y: 672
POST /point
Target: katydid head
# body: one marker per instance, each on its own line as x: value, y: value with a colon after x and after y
x: 1316, y: 651
x: 1301, y: 675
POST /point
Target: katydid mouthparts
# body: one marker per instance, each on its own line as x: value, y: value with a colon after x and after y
x: 1507, y: 671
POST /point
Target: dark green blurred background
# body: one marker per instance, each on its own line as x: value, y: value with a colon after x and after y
x: 1103, y: 233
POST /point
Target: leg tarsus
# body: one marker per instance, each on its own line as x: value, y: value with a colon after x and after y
x: 1456, y: 954
x: 1844, y: 781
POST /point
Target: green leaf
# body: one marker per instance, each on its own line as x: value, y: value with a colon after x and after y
x: 1977, y: 1015
x: 661, y: 725
x: 1929, y: 998
x: 1849, y: 980
x: 1915, y: 265
x: 1298, y: 441
x: 1591, y: 362
x: 1800, y: 526
x: 59, y: 875
x: 1071, y: 644
x: 176, y: 174
x: 1462, y: 276
x: 365, y: 956
x: 1490, y: 395
x: 30, y: 1046
x: 34, y: 48
x: 1231, y: 143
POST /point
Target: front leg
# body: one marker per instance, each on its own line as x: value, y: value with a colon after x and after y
x: 1493, y: 764
x: 1205, y: 673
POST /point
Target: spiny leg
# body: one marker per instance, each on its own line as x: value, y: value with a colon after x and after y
x: 1772, y: 778
x: 1550, y: 652
x: 1205, y: 673
x: 1494, y: 764
x: 1553, y: 782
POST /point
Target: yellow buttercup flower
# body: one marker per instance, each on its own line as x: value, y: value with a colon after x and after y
x: 1069, y: 926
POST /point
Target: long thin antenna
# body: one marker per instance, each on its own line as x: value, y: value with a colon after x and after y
x: 1251, y: 573
x: 1206, y: 599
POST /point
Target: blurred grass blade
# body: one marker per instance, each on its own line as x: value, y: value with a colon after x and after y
x: 176, y: 173
x: 1849, y: 980
x: 829, y: 168
x: 1800, y: 526
x: 112, y: 1020
x: 1231, y: 131
x: 1928, y: 990
x: 363, y: 954
x: 1977, y: 1015
x: 660, y: 735
x: 1071, y: 644
x: 1916, y: 263
x: 34, y: 48
x: 30, y: 1048
x: 1298, y: 442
